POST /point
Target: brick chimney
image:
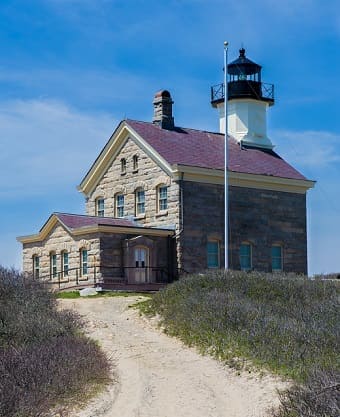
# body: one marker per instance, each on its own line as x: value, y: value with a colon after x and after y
x: 162, y: 104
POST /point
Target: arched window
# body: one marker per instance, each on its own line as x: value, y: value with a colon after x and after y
x: 135, y: 163
x: 246, y: 256
x: 53, y: 265
x: 123, y: 166
x: 139, y: 201
x: 64, y: 263
x: 277, y: 261
x: 100, y: 206
x: 83, y: 262
x: 162, y: 197
x: 119, y: 202
x: 36, y: 266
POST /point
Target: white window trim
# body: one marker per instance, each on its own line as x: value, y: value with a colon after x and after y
x: 63, y: 264
x: 138, y: 203
x: 117, y: 207
x: 100, y: 212
x: 82, y: 263
x: 53, y: 265
x: 36, y: 266
x: 123, y: 166
x: 158, y: 199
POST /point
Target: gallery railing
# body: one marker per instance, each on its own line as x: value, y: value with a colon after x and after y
x: 243, y: 89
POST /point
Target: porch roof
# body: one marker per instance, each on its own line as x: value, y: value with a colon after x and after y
x: 74, y: 221
x: 77, y: 224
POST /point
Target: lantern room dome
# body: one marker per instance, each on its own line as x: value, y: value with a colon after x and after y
x: 243, y: 65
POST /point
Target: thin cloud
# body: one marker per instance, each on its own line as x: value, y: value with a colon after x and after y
x: 48, y: 143
x: 311, y: 149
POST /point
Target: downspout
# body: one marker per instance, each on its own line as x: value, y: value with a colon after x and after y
x: 181, y: 220
x: 181, y: 213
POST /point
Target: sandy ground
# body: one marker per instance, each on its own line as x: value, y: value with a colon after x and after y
x: 157, y: 376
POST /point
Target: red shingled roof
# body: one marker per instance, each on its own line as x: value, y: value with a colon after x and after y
x: 75, y: 221
x: 206, y: 150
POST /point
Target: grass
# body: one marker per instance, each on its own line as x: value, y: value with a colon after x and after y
x: 285, y: 323
x: 102, y: 294
x: 45, y: 360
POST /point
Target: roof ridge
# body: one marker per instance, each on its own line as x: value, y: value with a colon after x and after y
x: 177, y: 127
x: 83, y: 215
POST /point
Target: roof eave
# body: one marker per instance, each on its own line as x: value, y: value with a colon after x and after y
x: 112, y: 149
x: 240, y: 179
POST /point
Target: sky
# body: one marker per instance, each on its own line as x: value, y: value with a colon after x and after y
x: 70, y: 70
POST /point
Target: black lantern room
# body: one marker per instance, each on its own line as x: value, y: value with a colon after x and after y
x: 244, y: 81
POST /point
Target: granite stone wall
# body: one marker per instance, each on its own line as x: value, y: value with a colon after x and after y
x: 148, y: 176
x: 60, y: 240
x: 259, y: 217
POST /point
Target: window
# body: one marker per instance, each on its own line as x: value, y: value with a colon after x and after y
x: 123, y: 166
x: 213, y: 254
x: 276, y: 258
x: 53, y: 265
x: 245, y: 256
x: 83, y: 262
x: 119, y: 205
x: 135, y: 163
x: 162, y: 197
x: 64, y: 263
x: 140, y: 202
x: 36, y: 266
x: 100, y: 207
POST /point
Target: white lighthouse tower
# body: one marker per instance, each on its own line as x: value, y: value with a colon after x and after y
x: 248, y: 100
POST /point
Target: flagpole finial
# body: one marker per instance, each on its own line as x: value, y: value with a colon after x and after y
x: 225, y: 43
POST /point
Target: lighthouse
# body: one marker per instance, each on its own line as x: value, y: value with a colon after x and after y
x: 248, y: 101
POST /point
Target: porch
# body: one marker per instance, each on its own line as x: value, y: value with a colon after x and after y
x: 109, y: 278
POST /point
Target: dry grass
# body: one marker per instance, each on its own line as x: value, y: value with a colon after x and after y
x: 285, y: 323
x: 44, y: 358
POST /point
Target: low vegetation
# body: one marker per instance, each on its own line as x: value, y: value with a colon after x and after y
x: 45, y: 360
x: 101, y: 294
x: 285, y: 323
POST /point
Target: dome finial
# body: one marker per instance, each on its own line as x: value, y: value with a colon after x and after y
x: 242, y: 52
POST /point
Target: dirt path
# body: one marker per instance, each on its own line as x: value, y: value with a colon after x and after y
x: 158, y: 377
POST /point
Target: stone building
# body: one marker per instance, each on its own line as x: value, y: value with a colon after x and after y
x: 154, y: 198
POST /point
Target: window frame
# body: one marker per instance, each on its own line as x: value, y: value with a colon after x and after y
x: 215, y: 254
x: 53, y: 265
x: 248, y: 256
x: 123, y: 166
x: 135, y: 159
x: 160, y: 200
x: 280, y: 258
x: 65, y: 266
x: 139, y: 203
x: 83, y: 262
x: 100, y: 207
x: 36, y: 266
x: 118, y: 206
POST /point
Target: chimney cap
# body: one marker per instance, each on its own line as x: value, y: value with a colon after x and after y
x: 163, y: 94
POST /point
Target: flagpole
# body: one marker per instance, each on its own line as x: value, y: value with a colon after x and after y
x: 226, y: 191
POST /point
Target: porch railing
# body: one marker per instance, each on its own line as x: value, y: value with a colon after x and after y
x: 100, y: 274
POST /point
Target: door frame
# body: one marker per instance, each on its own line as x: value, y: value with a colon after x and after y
x: 141, y: 273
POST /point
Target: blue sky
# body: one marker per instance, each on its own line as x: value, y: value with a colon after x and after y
x: 70, y: 70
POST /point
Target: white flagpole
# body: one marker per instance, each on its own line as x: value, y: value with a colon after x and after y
x: 226, y: 191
